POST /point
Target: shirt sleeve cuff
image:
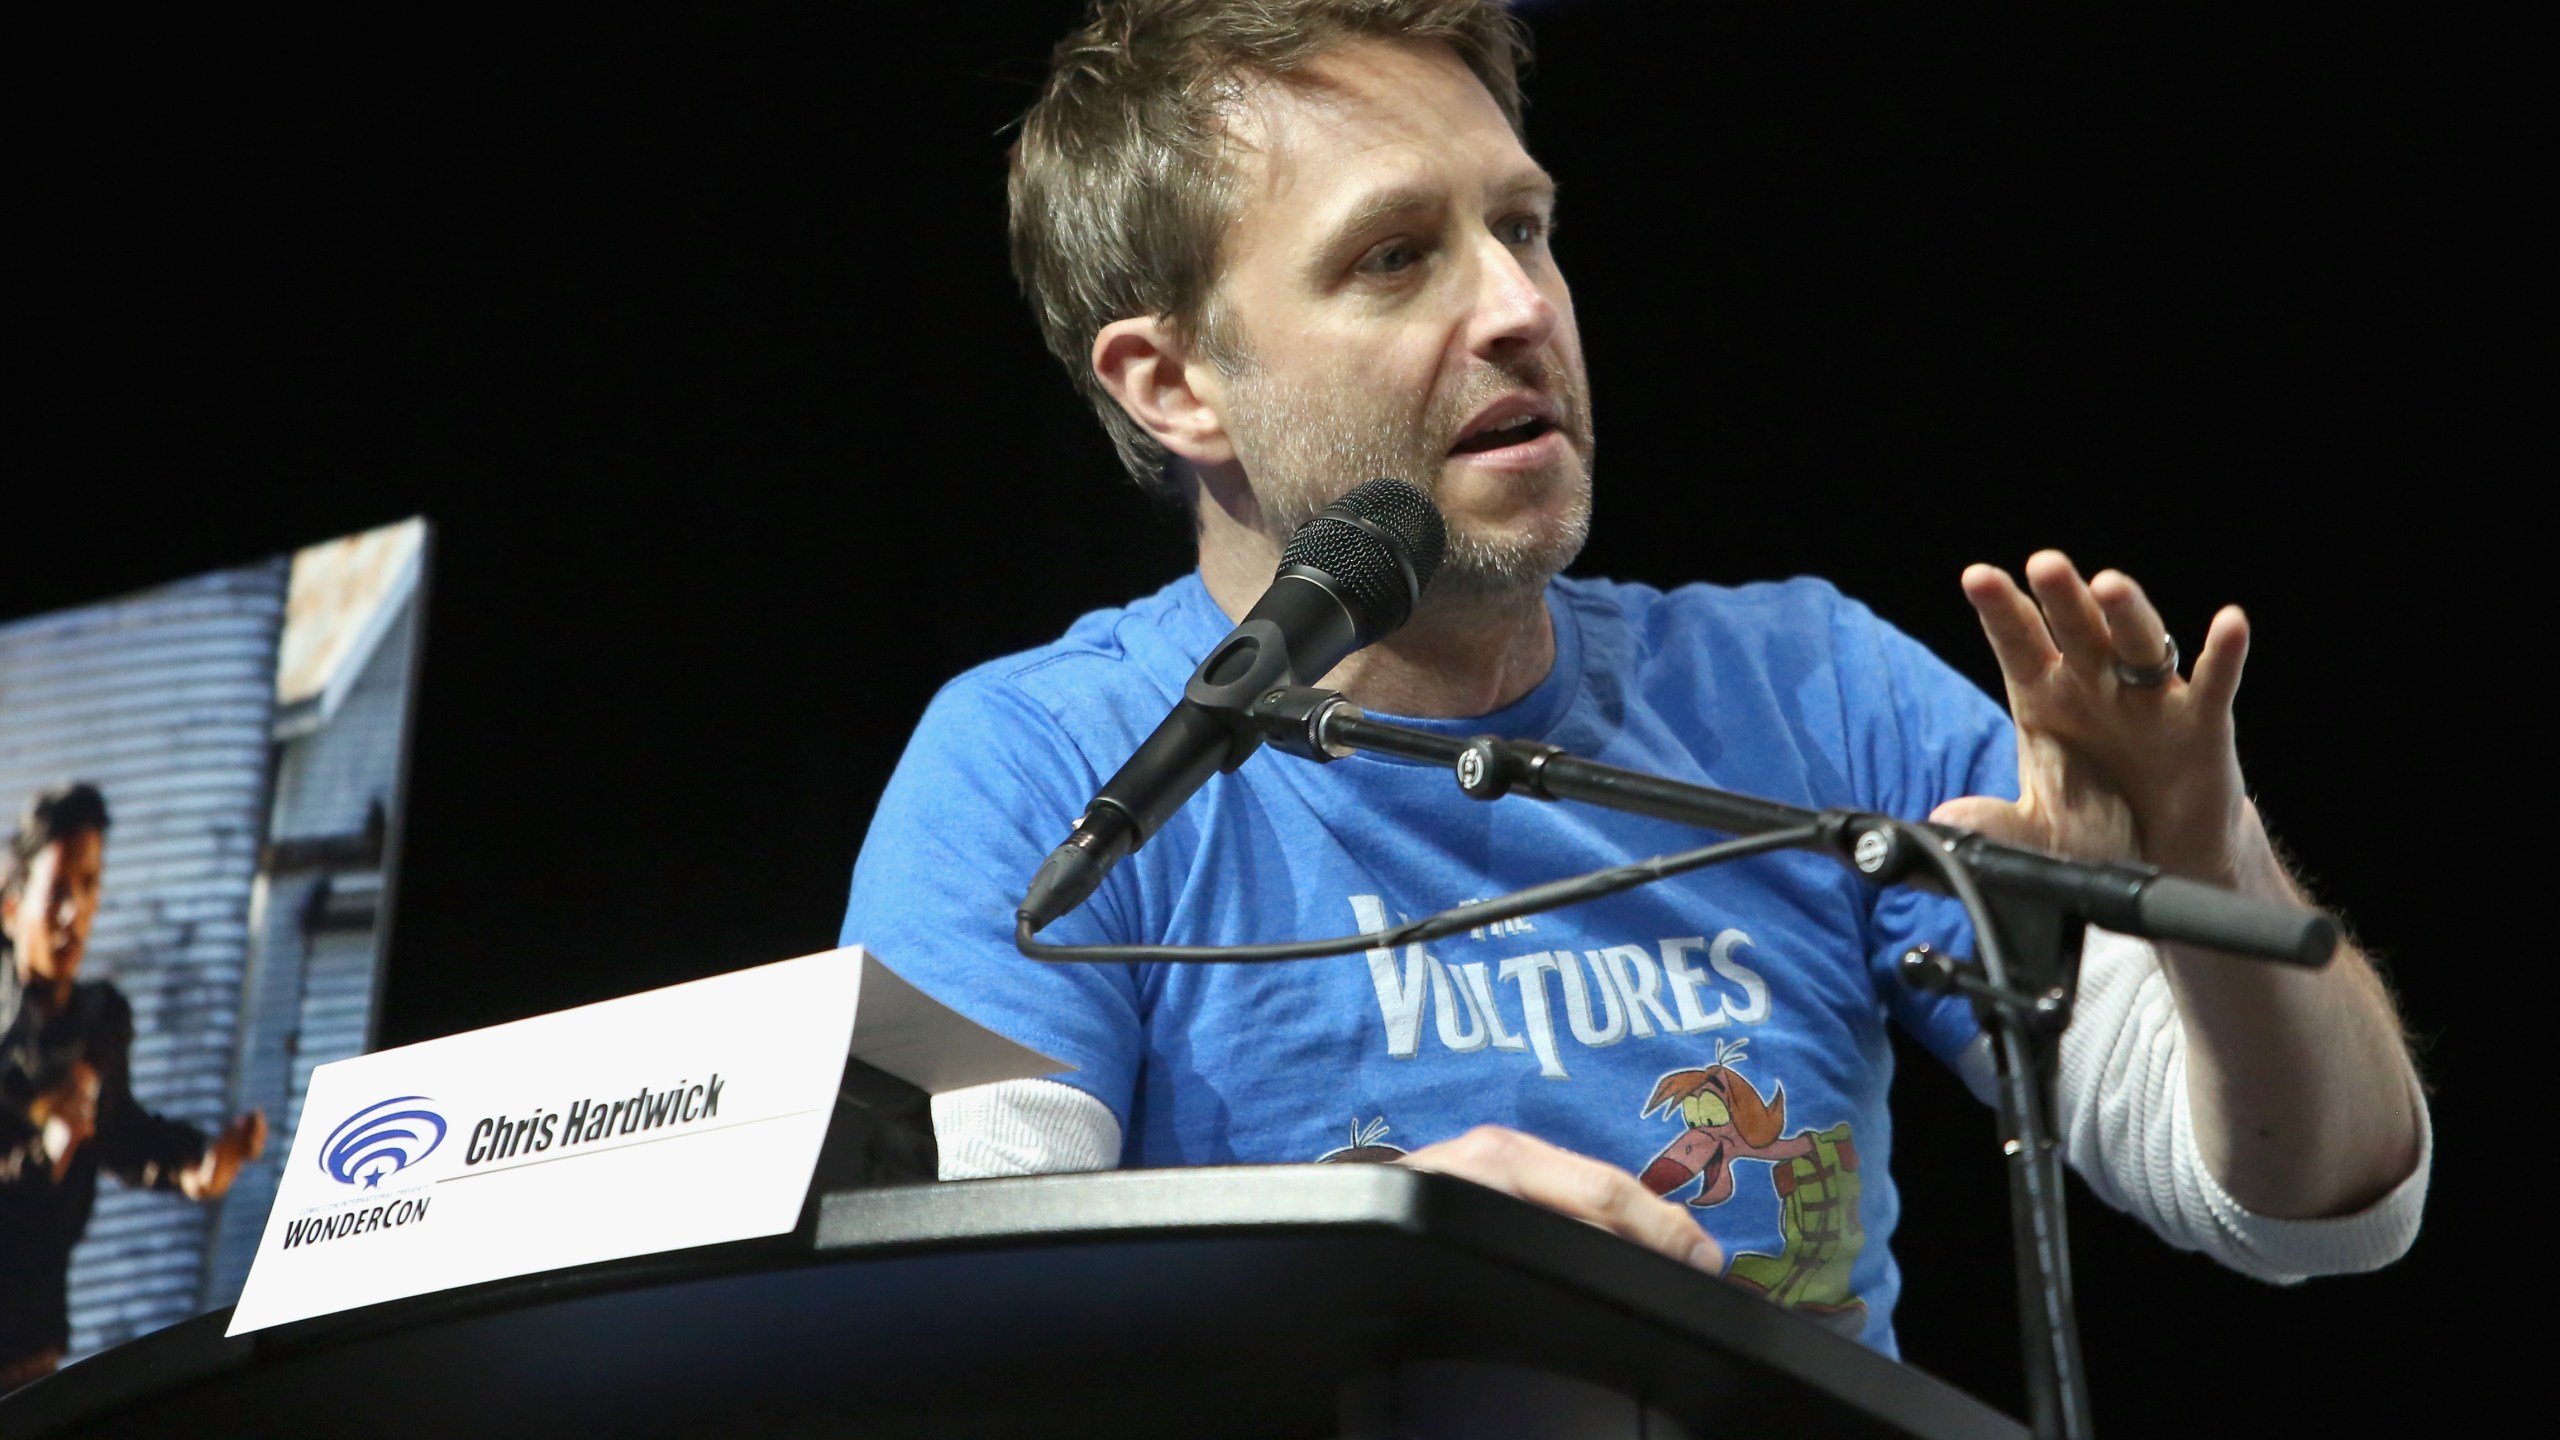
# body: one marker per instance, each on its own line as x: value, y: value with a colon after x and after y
x: 1022, y: 1127
x: 2287, y: 1251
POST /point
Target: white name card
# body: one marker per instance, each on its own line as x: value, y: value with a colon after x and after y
x: 677, y: 1117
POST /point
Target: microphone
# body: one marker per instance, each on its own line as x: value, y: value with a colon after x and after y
x: 1347, y: 578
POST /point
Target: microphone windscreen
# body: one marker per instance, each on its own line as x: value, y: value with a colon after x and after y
x: 1402, y: 510
x: 1381, y: 544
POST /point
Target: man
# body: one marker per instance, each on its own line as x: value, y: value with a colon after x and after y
x: 67, y: 1108
x: 1285, y: 247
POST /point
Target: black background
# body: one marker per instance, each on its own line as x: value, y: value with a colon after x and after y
x: 696, y: 342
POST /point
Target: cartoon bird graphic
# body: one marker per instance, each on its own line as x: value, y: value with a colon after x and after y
x: 1815, y: 1175
x: 1367, y: 1144
x: 1727, y: 1121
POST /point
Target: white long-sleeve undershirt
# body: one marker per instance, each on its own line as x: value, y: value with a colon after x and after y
x: 2126, y: 1128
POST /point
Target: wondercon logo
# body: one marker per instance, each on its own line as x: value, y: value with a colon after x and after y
x: 381, y: 1140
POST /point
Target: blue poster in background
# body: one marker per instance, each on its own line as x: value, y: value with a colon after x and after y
x: 199, y: 786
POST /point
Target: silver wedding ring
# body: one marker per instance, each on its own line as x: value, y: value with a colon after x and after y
x: 2142, y: 677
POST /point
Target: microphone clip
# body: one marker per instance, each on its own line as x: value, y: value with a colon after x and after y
x: 1294, y: 718
x: 1252, y: 659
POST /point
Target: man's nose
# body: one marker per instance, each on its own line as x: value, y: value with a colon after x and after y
x: 1513, y: 317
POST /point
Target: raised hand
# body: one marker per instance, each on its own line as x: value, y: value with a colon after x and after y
x: 2303, y: 1097
x: 2119, y: 756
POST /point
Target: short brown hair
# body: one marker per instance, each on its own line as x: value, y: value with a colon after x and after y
x: 53, y: 814
x: 1121, y: 188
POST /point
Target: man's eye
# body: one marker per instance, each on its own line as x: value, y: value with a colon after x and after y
x: 1521, y: 229
x: 1394, y: 258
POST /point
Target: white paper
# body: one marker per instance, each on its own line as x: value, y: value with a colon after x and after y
x: 684, y: 1116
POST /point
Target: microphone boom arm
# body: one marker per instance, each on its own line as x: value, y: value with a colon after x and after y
x: 2129, y: 899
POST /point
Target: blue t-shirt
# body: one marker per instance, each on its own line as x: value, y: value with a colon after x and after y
x: 1721, y: 1034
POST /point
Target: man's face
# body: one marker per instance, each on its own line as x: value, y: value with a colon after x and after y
x: 48, y: 918
x: 1389, y: 286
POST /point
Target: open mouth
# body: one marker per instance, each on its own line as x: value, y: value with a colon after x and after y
x: 1517, y: 432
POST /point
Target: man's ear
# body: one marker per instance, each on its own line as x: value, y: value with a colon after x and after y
x: 9, y: 914
x: 1173, y: 394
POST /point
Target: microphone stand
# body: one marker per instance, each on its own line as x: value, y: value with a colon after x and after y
x: 2030, y: 912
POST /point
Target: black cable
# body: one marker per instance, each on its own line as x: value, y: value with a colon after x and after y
x: 1554, y: 894
x: 1961, y: 884
x: 2065, y: 1411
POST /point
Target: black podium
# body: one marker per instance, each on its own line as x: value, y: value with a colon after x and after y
x: 1298, y: 1301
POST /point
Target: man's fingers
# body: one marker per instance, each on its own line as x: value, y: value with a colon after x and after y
x: 2079, y: 627
x: 2010, y: 621
x: 1575, y: 1185
x: 2134, y: 628
x: 2215, y: 680
x: 1616, y: 1201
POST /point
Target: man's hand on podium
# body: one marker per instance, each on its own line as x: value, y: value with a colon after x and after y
x: 1592, y: 1191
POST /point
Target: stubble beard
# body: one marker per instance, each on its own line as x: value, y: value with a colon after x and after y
x: 1309, y: 442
